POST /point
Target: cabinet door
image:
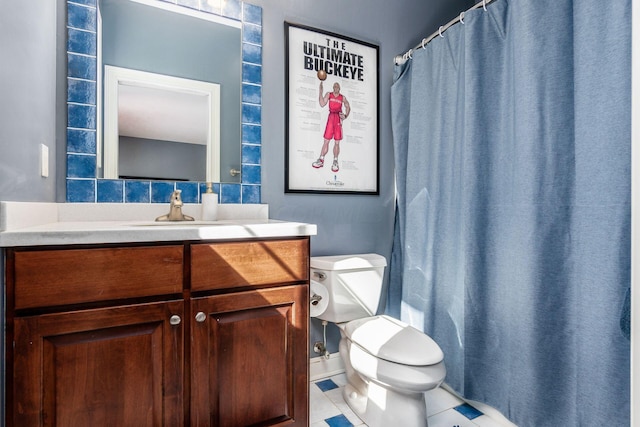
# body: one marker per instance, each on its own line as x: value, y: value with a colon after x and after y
x: 120, y: 366
x: 249, y: 358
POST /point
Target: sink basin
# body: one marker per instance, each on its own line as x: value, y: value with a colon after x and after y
x: 177, y: 224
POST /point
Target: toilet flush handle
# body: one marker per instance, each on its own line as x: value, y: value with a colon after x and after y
x: 320, y: 275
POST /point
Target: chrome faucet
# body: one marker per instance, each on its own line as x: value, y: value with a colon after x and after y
x: 175, y: 209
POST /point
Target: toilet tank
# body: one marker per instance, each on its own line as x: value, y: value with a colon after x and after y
x: 353, y: 285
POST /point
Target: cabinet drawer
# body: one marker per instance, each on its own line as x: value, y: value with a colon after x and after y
x: 74, y: 276
x: 229, y: 265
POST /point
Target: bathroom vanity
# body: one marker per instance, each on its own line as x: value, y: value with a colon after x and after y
x: 132, y: 323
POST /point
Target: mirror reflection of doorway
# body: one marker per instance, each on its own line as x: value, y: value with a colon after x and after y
x: 160, y: 127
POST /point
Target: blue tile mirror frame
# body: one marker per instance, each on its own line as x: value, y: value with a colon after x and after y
x: 82, y: 184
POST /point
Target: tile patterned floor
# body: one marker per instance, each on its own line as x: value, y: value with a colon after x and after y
x: 328, y: 408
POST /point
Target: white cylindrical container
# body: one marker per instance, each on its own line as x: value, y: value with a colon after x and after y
x: 209, y: 204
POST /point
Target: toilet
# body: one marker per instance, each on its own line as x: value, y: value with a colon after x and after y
x: 389, y: 364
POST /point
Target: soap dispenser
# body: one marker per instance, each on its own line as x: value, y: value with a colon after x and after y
x: 209, y: 204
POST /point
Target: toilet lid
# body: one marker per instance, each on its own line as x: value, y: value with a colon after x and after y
x: 395, y: 341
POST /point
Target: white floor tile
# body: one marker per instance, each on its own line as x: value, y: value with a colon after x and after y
x: 439, y: 400
x: 320, y: 406
x: 340, y: 380
x: 440, y: 404
x: 496, y: 417
x: 450, y: 418
x: 337, y: 398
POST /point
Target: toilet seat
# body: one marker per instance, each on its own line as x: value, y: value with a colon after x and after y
x: 393, y: 341
x: 406, y: 378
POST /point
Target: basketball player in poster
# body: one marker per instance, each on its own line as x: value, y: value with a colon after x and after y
x: 333, y: 129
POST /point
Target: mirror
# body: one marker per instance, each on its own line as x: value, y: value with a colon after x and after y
x: 160, y: 127
x: 84, y: 156
x: 170, y: 55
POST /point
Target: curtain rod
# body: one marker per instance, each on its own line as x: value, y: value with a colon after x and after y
x: 401, y: 59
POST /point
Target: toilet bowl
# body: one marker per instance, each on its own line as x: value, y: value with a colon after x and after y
x: 388, y: 363
x: 388, y: 371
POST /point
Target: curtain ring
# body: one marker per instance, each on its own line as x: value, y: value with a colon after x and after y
x: 462, y: 18
x: 410, y: 54
x: 484, y: 5
x: 423, y: 43
x: 440, y: 31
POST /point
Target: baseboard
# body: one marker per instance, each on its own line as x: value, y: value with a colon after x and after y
x: 321, y: 367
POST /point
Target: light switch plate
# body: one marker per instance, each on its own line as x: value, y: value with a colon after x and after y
x: 44, y: 160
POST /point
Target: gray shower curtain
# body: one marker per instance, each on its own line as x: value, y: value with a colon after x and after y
x: 512, y: 242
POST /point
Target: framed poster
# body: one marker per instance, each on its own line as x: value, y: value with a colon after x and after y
x: 332, y: 126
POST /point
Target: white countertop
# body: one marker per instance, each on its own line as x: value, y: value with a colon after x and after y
x: 35, y: 224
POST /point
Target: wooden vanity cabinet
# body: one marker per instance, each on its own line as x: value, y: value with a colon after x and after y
x: 90, y: 348
x: 118, y: 366
x: 139, y: 336
x: 249, y: 348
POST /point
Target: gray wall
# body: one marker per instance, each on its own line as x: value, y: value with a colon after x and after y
x: 27, y: 98
x: 30, y: 109
x: 140, y: 158
x: 346, y: 224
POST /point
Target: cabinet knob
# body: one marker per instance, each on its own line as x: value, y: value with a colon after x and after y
x: 175, y: 320
x: 200, y: 317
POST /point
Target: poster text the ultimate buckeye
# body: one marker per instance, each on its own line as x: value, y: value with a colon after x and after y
x: 334, y: 59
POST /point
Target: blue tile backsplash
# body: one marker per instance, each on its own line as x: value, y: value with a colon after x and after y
x: 251, y: 193
x: 251, y: 134
x: 251, y: 174
x: 252, y: 73
x: 251, y: 154
x: 252, y: 14
x: 80, y: 41
x: 251, y: 114
x: 189, y: 192
x: 81, y: 17
x: 81, y: 67
x: 82, y: 150
x: 81, y: 91
x: 110, y: 191
x: 252, y: 34
x: 81, y: 116
x: 81, y: 141
x: 137, y: 192
x: 81, y: 189
x: 81, y: 165
x: 161, y: 191
x: 232, y: 9
x: 251, y: 93
x: 230, y: 193
x: 251, y: 53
